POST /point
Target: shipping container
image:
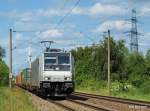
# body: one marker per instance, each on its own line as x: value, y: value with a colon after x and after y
x: 18, y: 80
x: 25, y: 75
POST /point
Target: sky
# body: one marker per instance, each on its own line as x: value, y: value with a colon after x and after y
x: 67, y: 24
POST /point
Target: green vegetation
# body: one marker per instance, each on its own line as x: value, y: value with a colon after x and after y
x: 4, y: 71
x: 130, y: 72
x: 15, y: 100
x: 11, y: 99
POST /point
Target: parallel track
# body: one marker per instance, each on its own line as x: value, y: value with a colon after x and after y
x: 91, y: 106
x: 114, y: 99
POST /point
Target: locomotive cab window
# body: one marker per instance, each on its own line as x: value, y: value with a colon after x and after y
x: 57, y: 61
x: 63, y: 60
x: 50, y: 61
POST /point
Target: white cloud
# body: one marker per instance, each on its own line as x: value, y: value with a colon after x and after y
x: 115, y: 25
x: 100, y: 9
x: 50, y: 12
x: 80, y: 10
x: 96, y: 9
x: 145, y: 11
x: 32, y: 14
x: 20, y: 41
x: 18, y: 38
x: 51, y: 33
x: 27, y: 16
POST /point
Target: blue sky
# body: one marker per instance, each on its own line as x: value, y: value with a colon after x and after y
x: 84, y: 26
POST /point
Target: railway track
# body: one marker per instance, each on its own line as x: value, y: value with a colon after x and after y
x: 100, y: 108
x: 95, y: 108
x: 114, y: 99
x: 76, y: 102
x: 61, y: 105
x: 83, y: 101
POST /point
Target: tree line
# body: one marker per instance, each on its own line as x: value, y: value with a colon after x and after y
x: 127, y: 69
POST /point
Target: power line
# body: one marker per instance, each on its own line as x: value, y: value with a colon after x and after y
x: 25, y: 42
x: 67, y: 14
x: 88, y: 37
x: 59, y: 22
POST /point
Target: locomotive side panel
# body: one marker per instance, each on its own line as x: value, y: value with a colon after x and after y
x: 41, y: 68
x: 35, y: 73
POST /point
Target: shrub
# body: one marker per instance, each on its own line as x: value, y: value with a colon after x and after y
x: 145, y: 87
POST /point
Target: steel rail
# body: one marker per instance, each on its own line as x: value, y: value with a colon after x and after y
x: 61, y: 105
x: 114, y: 99
x: 101, y: 108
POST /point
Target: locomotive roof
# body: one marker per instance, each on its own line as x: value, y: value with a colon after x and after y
x: 55, y: 51
x: 52, y: 50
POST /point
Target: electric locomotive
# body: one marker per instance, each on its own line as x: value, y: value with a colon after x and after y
x: 52, y: 73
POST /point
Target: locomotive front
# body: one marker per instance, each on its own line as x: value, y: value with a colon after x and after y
x: 58, y: 78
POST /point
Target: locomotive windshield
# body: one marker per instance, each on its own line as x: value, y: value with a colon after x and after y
x: 57, y: 61
x: 63, y: 60
x: 50, y: 60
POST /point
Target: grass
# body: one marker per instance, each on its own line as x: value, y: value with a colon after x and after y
x: 15, y: 99
x: 133, y: 93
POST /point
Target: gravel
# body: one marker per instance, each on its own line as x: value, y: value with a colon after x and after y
x: 75, y: 106
x: 44, y: 105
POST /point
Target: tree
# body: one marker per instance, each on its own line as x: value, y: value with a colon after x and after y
x: 147, y: 71
x: 136, y: 69
x: 92, y: 61
x: 3, y: 73
x: 3, y: 68
x: 2, y: 52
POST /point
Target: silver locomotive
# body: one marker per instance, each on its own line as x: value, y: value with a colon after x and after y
x: 52, y: 73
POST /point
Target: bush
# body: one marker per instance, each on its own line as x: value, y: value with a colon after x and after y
x: 4, y: 72
x: 136, y: 79
x: 120, y: 86
x: 145, y: 87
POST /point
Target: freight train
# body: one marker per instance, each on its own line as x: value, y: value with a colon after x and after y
x: 51, y: 74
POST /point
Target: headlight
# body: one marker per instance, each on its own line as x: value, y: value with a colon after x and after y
x: 67, y: 78
x: 57, y: 69
x: 46, y: 78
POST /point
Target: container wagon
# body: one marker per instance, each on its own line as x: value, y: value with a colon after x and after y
x: 18, y: 80
x: 25, y: 76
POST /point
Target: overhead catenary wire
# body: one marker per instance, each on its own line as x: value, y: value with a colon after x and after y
x: 81, y: 32
x: 65, y: 16
x: 56, y: 26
